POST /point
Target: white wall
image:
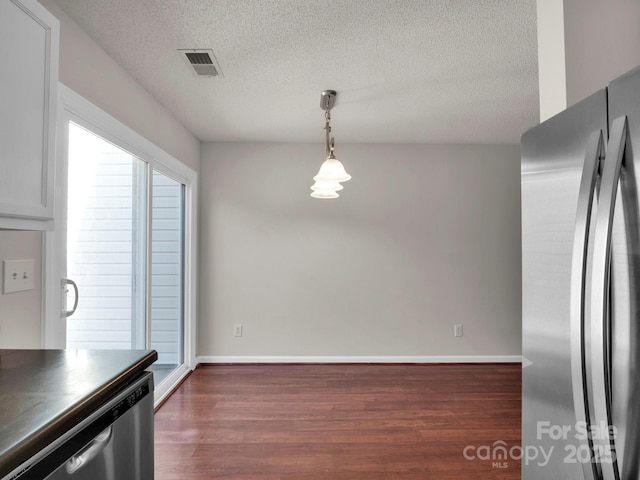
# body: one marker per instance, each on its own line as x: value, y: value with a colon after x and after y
x: 20, y: 311
x: 552, y: 78
x: 422, y: 238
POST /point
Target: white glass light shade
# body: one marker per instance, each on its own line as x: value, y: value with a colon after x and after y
x: 332, y: 171
x: 324, y: 185
x: 324, y: 194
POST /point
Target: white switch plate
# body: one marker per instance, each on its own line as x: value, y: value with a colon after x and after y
x: 18, y: 276
x: 237, y: 330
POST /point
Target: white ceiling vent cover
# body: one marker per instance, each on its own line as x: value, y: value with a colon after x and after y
x: 203, y: 62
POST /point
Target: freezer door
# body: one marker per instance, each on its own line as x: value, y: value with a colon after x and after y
x: 624, y: 332
x: 553, y: 157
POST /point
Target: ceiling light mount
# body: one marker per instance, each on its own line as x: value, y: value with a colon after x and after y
x: 331, y: 173
x: 327, y: 99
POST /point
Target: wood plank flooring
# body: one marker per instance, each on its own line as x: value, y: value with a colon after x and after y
x: 339, y: 422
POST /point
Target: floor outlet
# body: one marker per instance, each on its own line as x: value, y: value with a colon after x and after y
x: 457, y: 330
x: 237, y: 330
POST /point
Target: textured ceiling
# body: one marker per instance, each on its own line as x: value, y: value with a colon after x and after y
x: 415, y: 71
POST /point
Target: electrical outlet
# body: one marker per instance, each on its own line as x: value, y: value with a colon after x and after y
x: 457, y: 330
x: 18, y: 276
x: 237, y: 330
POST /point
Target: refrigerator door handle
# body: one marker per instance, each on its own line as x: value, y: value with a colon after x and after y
x: 604, y: 434
x: 578, y: 298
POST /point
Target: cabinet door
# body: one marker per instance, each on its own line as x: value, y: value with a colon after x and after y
x: 29, y: 39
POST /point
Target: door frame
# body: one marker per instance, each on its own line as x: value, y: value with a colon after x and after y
x: 73, y: 107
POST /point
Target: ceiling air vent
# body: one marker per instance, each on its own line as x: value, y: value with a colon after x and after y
x: 203, y: 62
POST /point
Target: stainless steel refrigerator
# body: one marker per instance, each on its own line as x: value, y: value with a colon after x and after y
x: 581, y: 289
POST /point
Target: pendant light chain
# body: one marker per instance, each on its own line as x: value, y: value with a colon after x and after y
x: 332, y: 173
x: 327, y: 129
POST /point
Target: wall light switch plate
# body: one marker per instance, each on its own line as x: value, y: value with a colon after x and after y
x: 18, y: 276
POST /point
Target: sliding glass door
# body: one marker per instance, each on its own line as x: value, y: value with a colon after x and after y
x: 106, y: 243
x: 167, y: 273
x: 125, y: 252
x: 125, y: 236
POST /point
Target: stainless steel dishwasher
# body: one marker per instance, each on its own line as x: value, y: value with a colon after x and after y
x: 114, y: 443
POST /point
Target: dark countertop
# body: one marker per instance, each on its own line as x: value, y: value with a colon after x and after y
x: 44, y: 393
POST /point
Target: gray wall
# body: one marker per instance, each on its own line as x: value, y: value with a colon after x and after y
x: 422, y: 238
x: 602, y: 41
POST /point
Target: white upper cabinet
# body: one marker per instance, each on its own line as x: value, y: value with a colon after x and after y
x: 29, y: 43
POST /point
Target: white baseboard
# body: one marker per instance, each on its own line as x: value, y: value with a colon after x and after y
x: 363, y: 359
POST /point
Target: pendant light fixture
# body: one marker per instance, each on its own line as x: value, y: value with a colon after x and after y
x: 332, y: 173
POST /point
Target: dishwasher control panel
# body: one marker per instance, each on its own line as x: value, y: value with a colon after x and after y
x: 126, y: 404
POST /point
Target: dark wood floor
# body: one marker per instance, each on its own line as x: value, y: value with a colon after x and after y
x: 339, y: 422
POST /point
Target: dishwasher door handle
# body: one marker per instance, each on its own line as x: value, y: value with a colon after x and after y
x: 91, y: 451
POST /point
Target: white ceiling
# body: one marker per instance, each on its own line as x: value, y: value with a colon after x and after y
x: 415, y: 71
